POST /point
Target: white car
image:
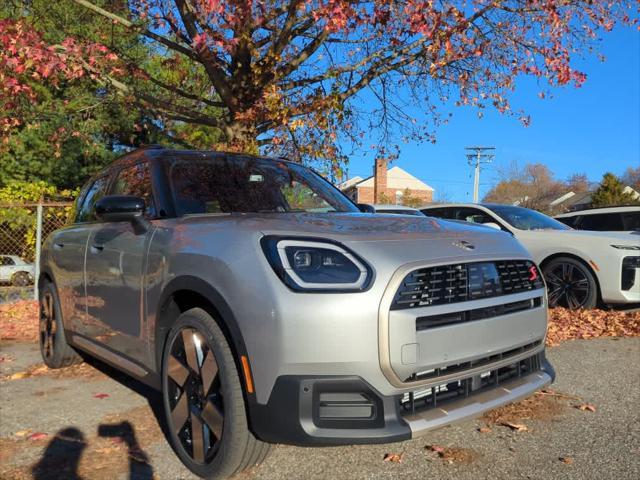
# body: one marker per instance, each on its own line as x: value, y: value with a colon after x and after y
x: 581, y: 268
x: 608, y: 219
x: 16, y: 271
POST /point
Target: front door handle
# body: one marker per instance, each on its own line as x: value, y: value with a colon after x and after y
x: 96, y: 248
x: 58, y: 246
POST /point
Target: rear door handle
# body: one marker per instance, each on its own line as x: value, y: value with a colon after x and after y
x: 96, y: 248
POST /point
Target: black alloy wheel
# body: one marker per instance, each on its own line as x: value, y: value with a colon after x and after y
x: 204, y: 400
x: 194, y: 394
x: 570, y: 284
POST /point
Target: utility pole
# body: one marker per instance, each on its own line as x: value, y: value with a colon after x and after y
x: 475, y: 157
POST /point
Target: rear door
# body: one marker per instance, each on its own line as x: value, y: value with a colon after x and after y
x: 115, y: 270
x: 67, y: 255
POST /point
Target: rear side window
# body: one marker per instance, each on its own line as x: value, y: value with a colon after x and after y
x: 631, y: 220
x: 136, y: 180
x: 571, y: 221
x: 94, y: 193
x: 438, y: 212
x: 602, y: 222
x: 7, y: 261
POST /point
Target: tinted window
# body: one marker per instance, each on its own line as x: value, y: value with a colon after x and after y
x: 526, y: 219
x: 95, y: 192
x: 234, y: 184
x: 602, y: 222
x: 136, y: 180
x: 631, y: 220
x: 472, y: 215
x: 7, y: 261
x: 571, y: 221
x: 439, y: 212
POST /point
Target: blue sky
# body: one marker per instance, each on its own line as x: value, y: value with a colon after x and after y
x: 592, y: 129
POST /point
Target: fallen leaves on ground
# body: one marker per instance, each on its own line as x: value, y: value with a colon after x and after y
x: 484, y: 430
x: 81, y: 370
x: 100, y: 396
x: 586, y: 407
x: 567, y: 324
x: 566, y: 460
x: 393, y: 457
x: 536, y: 407
x: 452, y: 454
x: 518, y: 427
x: 19, y: 320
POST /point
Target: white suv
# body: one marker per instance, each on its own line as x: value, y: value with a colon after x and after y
x: 16, y: 271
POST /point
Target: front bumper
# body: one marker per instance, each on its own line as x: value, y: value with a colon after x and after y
x: 338, y: 410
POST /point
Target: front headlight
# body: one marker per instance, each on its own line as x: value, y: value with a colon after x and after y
x: 626, y: 247
x: 316, y: 265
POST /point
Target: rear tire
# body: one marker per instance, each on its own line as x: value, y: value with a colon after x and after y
x: 203, y: 400
x: 20, y: 279
x: 570, y: 284
x: 55, y: 350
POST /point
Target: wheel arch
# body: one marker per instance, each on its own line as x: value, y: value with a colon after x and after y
x: 573, y: 256
x: 185, y: 292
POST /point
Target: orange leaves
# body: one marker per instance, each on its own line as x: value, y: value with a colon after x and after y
x: 586, y: 407
x: 393, y: 457
x: 573, y: 324
x: 518, y: 427
x: 19, y: 320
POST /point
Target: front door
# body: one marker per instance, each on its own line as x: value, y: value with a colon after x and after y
x: 115, y: 273
x: 66, y: 249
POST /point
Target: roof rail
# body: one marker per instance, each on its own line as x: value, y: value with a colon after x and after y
x: 152, y: 146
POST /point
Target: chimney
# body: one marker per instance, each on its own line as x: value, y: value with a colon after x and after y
x: 379, y: 179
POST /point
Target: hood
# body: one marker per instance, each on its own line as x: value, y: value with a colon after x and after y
x: 348, y: 226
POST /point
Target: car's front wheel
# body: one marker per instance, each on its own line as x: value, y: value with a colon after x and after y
x: 203, y: 400
x: 570, y: 284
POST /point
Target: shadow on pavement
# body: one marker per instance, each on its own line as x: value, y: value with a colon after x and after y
x: 61, y: 457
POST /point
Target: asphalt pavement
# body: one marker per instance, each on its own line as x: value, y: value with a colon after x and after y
x: 92, y: 423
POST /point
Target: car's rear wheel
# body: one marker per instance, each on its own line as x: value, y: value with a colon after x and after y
x: 570, y: 284
x: 203, y: 400
x: 55, y: 350
x: 20, y: 279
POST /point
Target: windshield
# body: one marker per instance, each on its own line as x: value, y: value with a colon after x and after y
x: 234, y: 184
x: 525, y: 219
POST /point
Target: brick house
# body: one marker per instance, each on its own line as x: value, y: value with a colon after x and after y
x: 387, y: 185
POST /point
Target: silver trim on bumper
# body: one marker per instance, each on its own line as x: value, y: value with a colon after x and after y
x: 477, y: 404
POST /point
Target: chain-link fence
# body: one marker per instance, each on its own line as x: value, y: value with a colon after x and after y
x: 23, y: 228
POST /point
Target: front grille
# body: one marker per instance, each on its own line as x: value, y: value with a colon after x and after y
x: 452, y: 369
x: 440, y: 395
x: 460, y: 282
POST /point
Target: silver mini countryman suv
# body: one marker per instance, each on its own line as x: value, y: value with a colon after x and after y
x: 267, y: 308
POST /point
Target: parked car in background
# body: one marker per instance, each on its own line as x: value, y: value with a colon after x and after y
x: 610, y: 219
x: 581, y: 268
x: 16, y: 271
x: 398, y: 210
x: 268, y: 309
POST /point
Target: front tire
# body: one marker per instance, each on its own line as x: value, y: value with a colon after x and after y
x: 55, y: 351
x: 203, y: 400
x: 570, y: 284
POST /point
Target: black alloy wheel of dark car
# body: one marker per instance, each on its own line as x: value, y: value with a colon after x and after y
x: 570, y: 284
x: 203, y: 400
x: 55, y: 350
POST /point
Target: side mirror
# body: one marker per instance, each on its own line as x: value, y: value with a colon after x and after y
x: 366, y: 208
x: 492, y: 225
x: 119, y: 208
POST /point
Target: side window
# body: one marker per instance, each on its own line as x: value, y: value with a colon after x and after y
x: 95, y: 192
x: 301, y: 198
x: 440, y: 213
x: 472, y: 215
x: 6, y: 261
x: 136, y: 180
x: 631, y: 220
x: 602, y: 222
x: 570, y: 221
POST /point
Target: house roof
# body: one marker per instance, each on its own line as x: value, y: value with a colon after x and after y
x: 396, y: 178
